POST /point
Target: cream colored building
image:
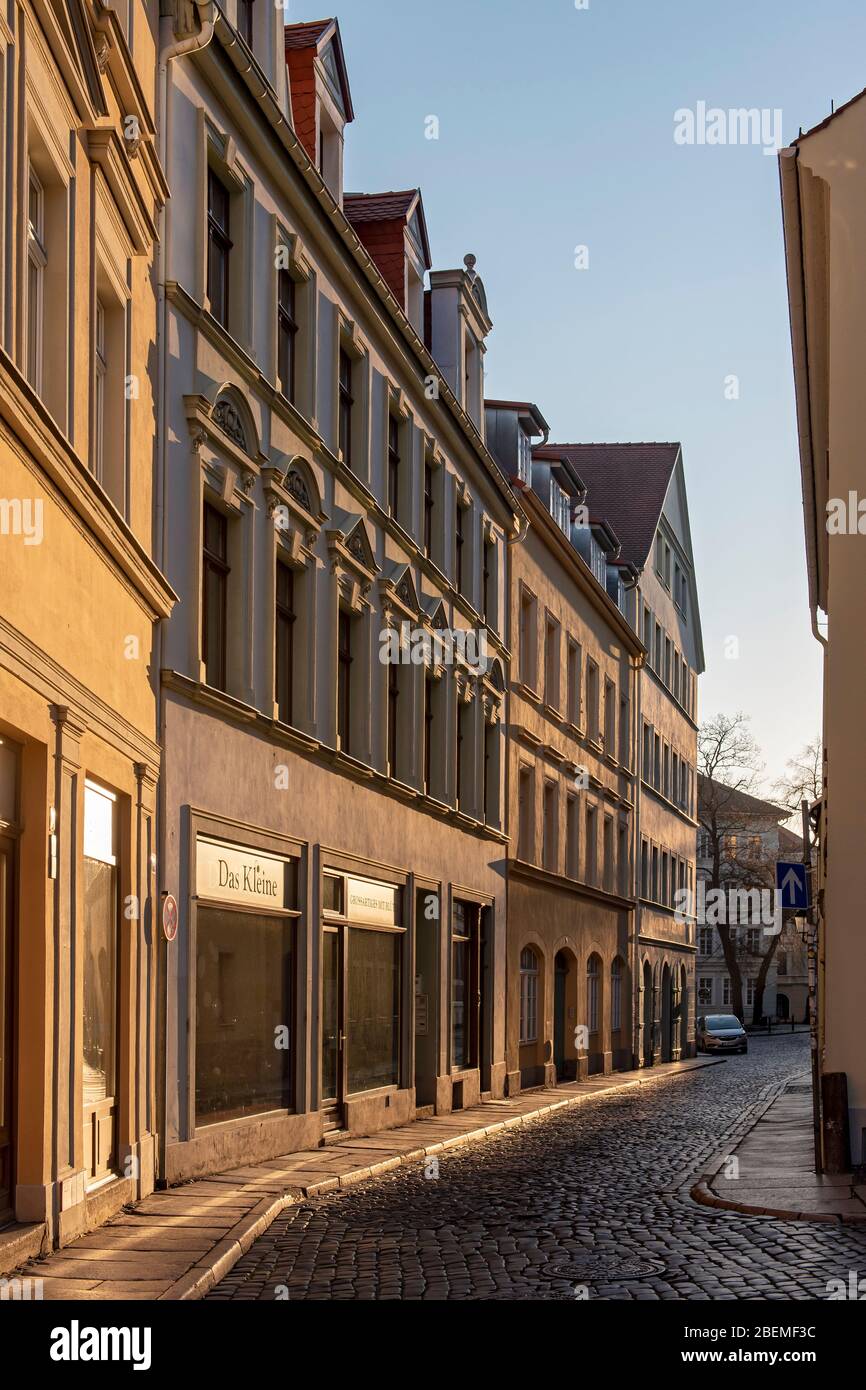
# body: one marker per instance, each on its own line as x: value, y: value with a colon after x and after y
x: 640, y: 491
x: 81, y: 194
x: 824, y: 209
x: 333, y: 825
x: 571, y: 776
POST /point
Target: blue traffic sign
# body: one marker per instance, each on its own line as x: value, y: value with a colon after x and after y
x: 792, y: 883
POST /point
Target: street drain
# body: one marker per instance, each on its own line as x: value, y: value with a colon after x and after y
x: 602, y: 1269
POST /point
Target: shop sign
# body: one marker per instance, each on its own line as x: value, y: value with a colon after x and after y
x: 371, y: 902
x: 247, y: 877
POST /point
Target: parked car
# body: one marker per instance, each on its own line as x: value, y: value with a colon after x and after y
x: 720, y: 1033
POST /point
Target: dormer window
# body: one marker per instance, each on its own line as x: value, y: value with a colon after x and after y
x: 245, y: 21
x: 524, y: 457
x: 321, y: 101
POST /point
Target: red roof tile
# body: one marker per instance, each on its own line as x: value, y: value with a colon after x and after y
x: 378, y: 207
x: 626, y: 483
x: 306, y: 35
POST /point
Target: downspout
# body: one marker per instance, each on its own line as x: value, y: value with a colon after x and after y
x: 170, y: 48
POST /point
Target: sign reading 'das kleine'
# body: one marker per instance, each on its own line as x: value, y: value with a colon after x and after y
x: 235, y: 875
x: 374, y: 903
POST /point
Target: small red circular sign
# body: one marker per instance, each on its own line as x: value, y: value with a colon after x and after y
x: 169, y: 916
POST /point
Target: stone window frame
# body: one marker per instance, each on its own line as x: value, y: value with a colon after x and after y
x: 218, y: 151
x: 348, y: 338
x: 289, y: 247
x: 295, y: 517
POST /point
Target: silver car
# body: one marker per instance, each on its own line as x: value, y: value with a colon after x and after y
x: 720, y: 1033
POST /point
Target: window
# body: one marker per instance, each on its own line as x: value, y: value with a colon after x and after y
x: 526, y: 813
x: 609, y: 719
x: 345, y: 408
x: 657, y: 761
x: 245, y: 21
x: 607, y: 845
x: 657, y: 665
x: 726, y: 990
x: 667, y: 671
x: 623, y: 731
x: 528, y: 639
x: 622, y: 859
x: 344, y: 680
x: 551, y: 662
x: 393, y: 465
x: 654, y: 886
x: 373, y: 1008
x: 551, y: 815
x: 647, y: 628
x: 465, y: 978
x: 429, y: 504
x: 393, y: 702
x: 667, y: 573
x: 219, y: 248
x: 592, y: 697
x: 592, y: 993
x: 488, y: 573
x: 659, y: 554
x: 215, y: 596
x: 782, y: 963
x: 528, y: 996
x: 663, y: 895
x: 100, y: 899
x: 573, y: 675
x: 591, y: 851
x: 644, y: 869
x: 666, y: 777
x: 705, y: 941
x: 37, y: 260
x: 459, y: 546
x: 428, y: 733
x: 616, y: 996
x: 244, y: 989
x: 285, y: 624
x: 490, y: 788
x: 647, y: 761
x: 705, y: 989
x: 100, y: 373
x: 287, y: 329
x: 571, y: 836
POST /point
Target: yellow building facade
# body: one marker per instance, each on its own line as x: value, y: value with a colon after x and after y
x: 79, y: 599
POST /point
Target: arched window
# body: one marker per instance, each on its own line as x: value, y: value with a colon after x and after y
x: 592, y: 978
x: 616, y: 995
x: 528, y: 995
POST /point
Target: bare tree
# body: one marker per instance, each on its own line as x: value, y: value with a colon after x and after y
x: 803, y: 778
x: 729, y: 768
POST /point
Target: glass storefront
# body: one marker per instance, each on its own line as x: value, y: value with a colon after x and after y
x: 100, y: 968
x: 245, y: 1045
x: 243, y: 999
x: 373, y: 1032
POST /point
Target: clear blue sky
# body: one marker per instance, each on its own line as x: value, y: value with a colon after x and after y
x: 556, y: 129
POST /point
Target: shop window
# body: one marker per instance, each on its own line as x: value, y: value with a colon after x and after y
x: 593, y: 1001
x: 244, y: 995
x: 465, y: 976
x: 616, y: 974
x: 373, y: 1011
x: 528, y: 996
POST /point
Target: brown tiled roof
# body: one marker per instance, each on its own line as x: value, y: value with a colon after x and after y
x: 748, y: 804
x: 626, y: 483
x: 378, y: 207
x: 306, y: 35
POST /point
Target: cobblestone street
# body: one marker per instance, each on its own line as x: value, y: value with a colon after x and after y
x: 592, y: 1201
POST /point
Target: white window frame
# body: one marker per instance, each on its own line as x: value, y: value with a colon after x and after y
x: 37, y: 260
x: 528, y: 996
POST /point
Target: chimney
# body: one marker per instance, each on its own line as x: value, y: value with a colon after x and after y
x: 392, y: 228
x: 321, y: 102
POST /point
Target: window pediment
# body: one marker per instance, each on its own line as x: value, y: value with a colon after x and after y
x: 350, y: 548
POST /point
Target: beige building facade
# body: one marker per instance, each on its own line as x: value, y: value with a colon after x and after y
x: 333, y: 822
x: 824, y: 209
x: 571, y: 779
x: 82, y: 189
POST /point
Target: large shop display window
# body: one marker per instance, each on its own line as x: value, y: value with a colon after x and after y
x: 245, y: 1035
x: 101, y: 911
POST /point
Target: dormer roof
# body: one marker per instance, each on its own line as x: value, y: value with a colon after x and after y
x: 315, y: 37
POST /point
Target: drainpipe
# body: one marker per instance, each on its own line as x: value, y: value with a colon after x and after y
x: 170, y: 48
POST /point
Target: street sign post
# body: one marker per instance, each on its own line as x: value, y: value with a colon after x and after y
x: 792, y: 884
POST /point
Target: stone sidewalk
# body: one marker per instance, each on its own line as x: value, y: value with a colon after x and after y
x: 776, y: 1169
x: 178, y: 1243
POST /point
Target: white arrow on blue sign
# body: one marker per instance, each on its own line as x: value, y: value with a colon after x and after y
x: 792, y: 883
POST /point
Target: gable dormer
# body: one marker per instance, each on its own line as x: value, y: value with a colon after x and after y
x: 457, y: 327
x: 321, y: 102
x: 393, y: 230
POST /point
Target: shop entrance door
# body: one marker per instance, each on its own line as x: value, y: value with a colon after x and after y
x: 333, y: 1029
x: 7, y: 918
x: 101, y: 907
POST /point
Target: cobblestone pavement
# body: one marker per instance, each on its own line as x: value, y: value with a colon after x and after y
x: 590, y: 1202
